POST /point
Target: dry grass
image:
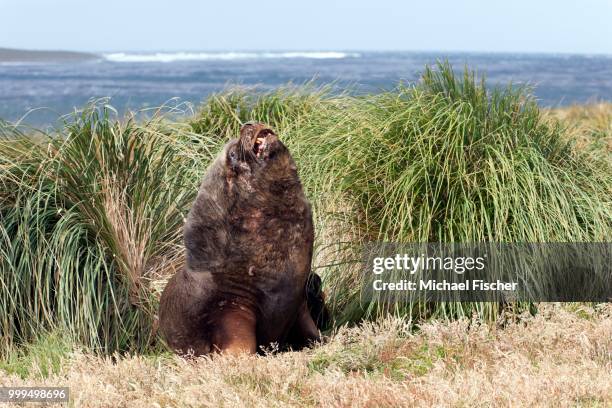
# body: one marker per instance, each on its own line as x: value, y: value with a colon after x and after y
x: 560, y: 357
x: 589, y: 125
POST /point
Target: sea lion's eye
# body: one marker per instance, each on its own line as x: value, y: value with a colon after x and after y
x: 233, y: 159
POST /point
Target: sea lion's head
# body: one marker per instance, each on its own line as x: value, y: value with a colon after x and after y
x: 258, y: 154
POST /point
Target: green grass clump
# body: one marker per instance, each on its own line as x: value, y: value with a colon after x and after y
x: 285, y: 108
x: 91, y: 214
x: 449, y: 160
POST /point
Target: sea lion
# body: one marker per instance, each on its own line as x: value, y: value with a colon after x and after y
x: 248, y: 240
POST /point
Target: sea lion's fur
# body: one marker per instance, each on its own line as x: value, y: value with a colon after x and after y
x: 248, y: 239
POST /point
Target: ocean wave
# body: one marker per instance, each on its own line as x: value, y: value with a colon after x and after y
x: 224, y: 56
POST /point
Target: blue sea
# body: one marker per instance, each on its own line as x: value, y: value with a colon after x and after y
x: 140, y: 80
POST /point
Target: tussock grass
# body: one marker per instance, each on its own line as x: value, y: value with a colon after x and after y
x: 559, y: 358
x: 451, y: 160
x: 91, y: 214
x: 89, y: 217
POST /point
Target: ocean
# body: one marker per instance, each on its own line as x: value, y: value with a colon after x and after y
x: 141, y: 80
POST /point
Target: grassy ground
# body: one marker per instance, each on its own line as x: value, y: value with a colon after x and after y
x: 560, y: 357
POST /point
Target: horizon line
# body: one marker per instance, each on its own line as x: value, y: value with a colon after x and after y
x: 253, y: 50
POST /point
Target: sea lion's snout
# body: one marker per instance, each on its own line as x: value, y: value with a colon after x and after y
x: 258, y: 138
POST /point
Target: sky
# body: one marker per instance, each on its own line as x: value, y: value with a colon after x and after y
x: 561, y: 26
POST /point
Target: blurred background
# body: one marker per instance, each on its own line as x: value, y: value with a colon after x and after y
x: 55, y: 56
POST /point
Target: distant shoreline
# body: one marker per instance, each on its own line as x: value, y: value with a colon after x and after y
x: 15, y: 55
x: 18, y: 55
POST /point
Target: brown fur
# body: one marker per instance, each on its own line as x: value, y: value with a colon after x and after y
x: 249, y: 239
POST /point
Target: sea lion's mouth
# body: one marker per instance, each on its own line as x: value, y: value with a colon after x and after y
x: 258, y: 141
x: 262, y: 142
x: 259, y: 146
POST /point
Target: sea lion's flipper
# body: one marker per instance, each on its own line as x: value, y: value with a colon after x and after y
x: 235, y: 332
x: 315, y: 299
x: 306, y: 325
x: 304, y: 331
